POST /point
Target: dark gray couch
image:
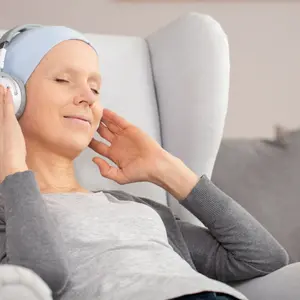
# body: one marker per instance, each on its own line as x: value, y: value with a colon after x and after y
x: 264, y: 177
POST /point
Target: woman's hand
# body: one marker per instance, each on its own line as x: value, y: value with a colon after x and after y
x: 12, y: 142
x: 136, y: 154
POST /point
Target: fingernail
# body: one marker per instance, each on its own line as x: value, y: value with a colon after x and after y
x: 9, y: 91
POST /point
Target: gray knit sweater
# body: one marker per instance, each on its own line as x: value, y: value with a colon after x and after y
x: 112, y: 245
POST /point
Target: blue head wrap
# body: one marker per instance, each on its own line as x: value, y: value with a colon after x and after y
x: 27, y: 48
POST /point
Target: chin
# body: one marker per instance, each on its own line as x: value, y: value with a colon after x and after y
x: 73, y: 147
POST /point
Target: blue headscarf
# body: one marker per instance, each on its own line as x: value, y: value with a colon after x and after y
x: 27, y: 49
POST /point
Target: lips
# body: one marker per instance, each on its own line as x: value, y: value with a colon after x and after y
x: 80, y: 118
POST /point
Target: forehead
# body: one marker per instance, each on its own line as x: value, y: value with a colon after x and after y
x: 73, y: 52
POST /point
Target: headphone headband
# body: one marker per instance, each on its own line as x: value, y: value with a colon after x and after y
x: 10, y: 34
x: 17, y: 86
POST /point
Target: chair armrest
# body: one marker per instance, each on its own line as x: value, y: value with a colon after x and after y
x: 17, y: 282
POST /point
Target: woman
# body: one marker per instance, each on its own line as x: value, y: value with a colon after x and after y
x: 109, y: 245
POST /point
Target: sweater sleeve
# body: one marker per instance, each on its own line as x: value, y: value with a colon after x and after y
x: 234, y: 246
x: 28, y: 235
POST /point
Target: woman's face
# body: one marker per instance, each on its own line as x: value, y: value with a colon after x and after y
x: 65, y: 83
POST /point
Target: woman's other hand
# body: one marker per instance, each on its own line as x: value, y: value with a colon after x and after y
x: 12, y: 142
x: 136, y: 154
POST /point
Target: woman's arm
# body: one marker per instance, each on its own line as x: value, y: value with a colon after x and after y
x: 235, y: 246
x: 28, y: 235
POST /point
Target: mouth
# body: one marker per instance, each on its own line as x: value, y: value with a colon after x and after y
x: 78, y: 118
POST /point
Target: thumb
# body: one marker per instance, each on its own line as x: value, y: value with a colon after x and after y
x: 105, y: 169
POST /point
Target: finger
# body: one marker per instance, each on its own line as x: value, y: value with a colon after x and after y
x: 99, y: 147
x: 102, y: 165
x: 8, y: 104
x: 108, y: 171
x: 2, y: 94
x: 111, y: 126
x: 113, y: 121
x: 105, y: 132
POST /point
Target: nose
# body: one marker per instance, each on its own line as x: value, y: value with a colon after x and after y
x: 85, y: 95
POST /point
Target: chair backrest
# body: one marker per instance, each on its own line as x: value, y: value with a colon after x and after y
x: 173, y: 85
x: 127, y: 89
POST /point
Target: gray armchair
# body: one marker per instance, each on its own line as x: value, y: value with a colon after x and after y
x: 174, y: 85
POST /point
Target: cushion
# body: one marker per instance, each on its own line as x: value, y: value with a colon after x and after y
x: 17, y: 282
x: 264, y: 177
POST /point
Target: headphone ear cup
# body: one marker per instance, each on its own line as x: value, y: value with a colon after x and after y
x: 17, y: 88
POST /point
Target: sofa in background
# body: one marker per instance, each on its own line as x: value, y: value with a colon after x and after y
x: 264, y: 177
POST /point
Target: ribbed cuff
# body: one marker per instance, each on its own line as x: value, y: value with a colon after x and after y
x: 207, y: 201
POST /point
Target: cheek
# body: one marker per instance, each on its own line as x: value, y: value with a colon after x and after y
x: 44, y: 103
x: 40, y: 113
x: 30, y: 124
x: 98, y: 111
x: 97, y: 120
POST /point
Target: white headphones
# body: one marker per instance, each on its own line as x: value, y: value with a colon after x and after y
x: 16, y: 85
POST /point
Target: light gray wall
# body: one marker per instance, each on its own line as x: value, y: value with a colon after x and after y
x: 264, y: 39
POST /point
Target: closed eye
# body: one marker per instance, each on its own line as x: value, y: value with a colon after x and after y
x: 63, y: 80
x: 95, y: 91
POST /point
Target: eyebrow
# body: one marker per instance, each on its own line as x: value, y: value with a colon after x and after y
x: 93, y: 75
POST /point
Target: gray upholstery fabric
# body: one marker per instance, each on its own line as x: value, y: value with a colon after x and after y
x: 282, y: 284
x: 264, y: 177
x: 17, y: 282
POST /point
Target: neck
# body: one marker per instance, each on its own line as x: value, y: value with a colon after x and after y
x: 54, y: 173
